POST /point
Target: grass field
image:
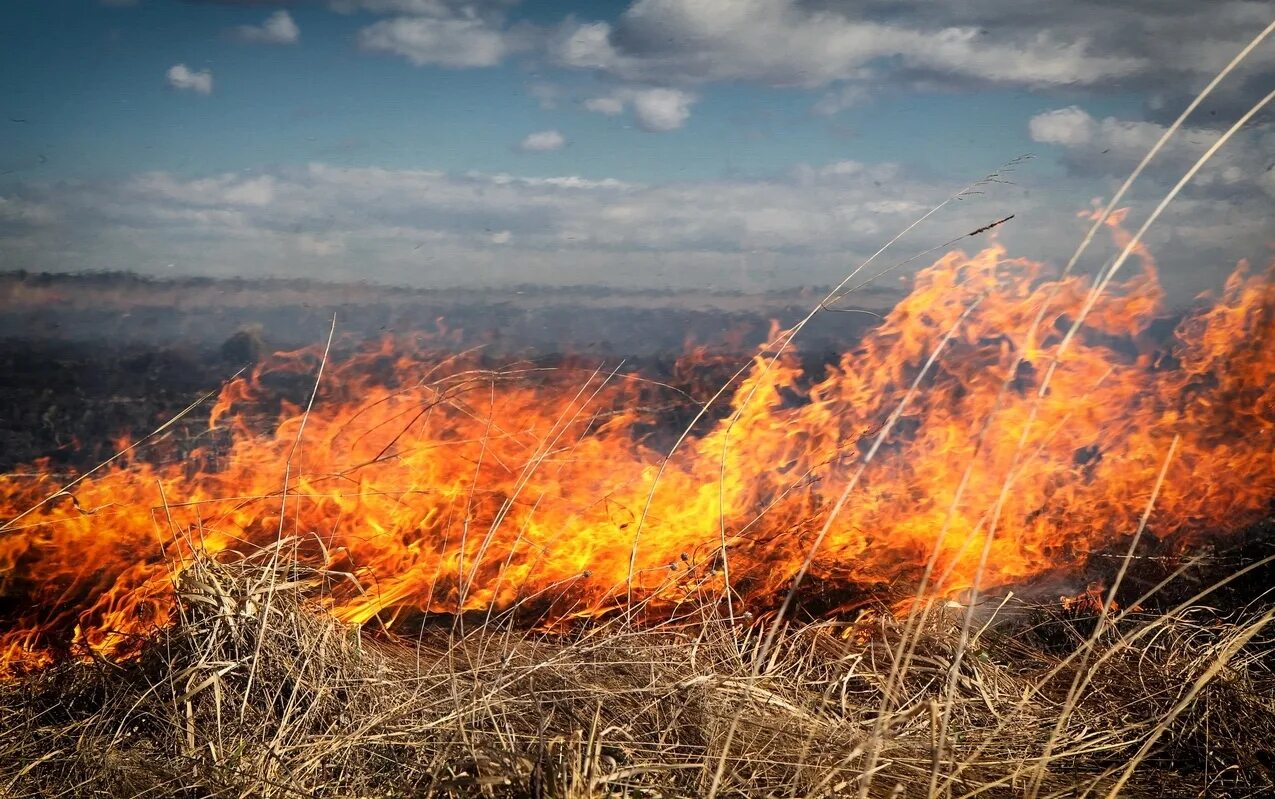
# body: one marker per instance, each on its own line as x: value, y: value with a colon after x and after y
x: 257, y: 691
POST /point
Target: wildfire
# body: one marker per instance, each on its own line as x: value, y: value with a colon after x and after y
x: 446, y: 487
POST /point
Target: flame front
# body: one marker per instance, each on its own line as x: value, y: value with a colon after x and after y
x: 443, y: 487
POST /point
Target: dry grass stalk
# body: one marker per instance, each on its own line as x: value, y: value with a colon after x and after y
x: 615, y: 711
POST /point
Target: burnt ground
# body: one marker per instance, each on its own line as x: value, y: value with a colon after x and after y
x: 87, y: 358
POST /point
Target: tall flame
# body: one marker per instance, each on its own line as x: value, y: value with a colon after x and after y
x: 445, y: 487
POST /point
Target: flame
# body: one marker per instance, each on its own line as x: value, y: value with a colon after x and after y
x: 446, y: 486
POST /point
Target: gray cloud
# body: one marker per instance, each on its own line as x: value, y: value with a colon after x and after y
x: 1165, y: 49
x: 436, y: 229
x: 1166, y: 45
x: 1243, y: 169
x: 278, y: 28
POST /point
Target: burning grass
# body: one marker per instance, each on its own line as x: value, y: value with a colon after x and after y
x: 256, y: 690
x: 164, y: 638
x: 964, y: 443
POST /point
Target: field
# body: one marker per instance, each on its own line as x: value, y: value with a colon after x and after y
x: 889, y: 564
x: 255, y: 692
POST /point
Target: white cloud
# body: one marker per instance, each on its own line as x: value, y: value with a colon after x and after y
x: 182, y: 78
x: 810, y: 225
x: 425, y: 8
x: 1113, y: 146
x: 448, y: 42
x: 278, y: 28
x: 610, y: 105
x: 585, y: 45
x: 787, y: 42
x: 855, y: 48
x: 224, y: 190
x: 662, y: 109
x: 656, y: 110
x: 542, y: 141
x: 565, y: 228
x: 1068, y: 127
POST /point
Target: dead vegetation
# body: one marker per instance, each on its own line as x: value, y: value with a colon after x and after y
x: 257, y: 691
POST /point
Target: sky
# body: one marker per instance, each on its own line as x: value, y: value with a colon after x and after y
x: 732, y: 144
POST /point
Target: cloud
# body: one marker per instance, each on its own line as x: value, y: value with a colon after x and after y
x: 458, y: 34
x: 786, y: 42
x: 662, y: 109
x: 542, y: 141
x: 656, y: 110
x: 1112, y: 146
x: 426, y: 8
x: 609, y: 106
x: 840, y: 99
x: 1068, y: 127
x: 564, y: 229
x: 16, y: 212
x: 455, y: 42
x: 861, y: 47
x: 181, y: 77
x: 808, y: 226
x: 278, y: 28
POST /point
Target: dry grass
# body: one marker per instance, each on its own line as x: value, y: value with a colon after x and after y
x: 256, y: 691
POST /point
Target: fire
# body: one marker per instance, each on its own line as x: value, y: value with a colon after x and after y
x: 444, y: 487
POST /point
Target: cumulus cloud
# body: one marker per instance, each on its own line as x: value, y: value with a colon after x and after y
x: 278, y: 28
x: 1113, y: 146
x: 457, y: 34
x: 662, y: 109
x: 542, y: 141
x: 426, y: 8
x: 853, y: 48
x: 456, y: 42
x: 1069, y: 127
x: 656, y: 109
x: 787, y: 42
x: 182, y: 78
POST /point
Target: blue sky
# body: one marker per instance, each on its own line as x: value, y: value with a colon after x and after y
x: 592, y: 139
x: 86, y: 83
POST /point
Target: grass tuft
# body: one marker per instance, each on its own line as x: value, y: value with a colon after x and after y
x: 257, y: 691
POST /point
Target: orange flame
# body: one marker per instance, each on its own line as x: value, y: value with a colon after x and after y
x: 447, y: 487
